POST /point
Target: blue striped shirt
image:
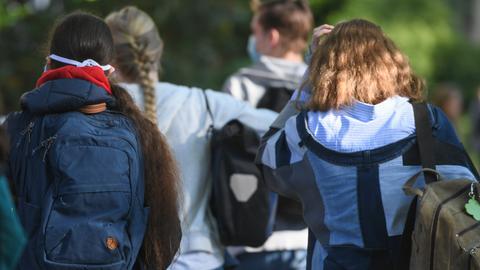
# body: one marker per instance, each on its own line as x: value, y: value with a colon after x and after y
x: 362, y: 126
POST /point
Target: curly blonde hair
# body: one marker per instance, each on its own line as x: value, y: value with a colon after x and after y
x: 357, y: 61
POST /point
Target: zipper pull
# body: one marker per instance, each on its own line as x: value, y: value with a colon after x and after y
x: 45, y: 144
x: 50, y: 142
x: 28, y: 130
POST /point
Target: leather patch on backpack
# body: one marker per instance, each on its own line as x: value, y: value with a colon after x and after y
x: 112, y: 243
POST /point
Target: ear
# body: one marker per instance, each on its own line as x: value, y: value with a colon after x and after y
x: 48, y: 62
x: 274, y: 37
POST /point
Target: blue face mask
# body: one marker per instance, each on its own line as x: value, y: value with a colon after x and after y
x: 252, y: 49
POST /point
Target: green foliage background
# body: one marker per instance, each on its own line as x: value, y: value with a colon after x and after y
x: 205, y: 40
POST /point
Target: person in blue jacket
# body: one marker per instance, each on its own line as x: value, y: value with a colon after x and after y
x: 95, y: 182
x: 346, y: 155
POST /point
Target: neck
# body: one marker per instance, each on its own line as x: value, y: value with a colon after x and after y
x: 120, y: 78
x: 290, y: 56
x: 153, y: 75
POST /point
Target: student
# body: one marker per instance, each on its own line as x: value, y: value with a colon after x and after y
x: 347, y: 155
x: 279, y: 38
x: 92, y: 175
x: 448, y: 97
x: 12, y: 237
x: 276, y: 46
x: 181, y: 114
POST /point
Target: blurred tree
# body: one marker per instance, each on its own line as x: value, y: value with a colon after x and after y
x: 418, y: 27
x: 10, y: 12
x: 205, y: 40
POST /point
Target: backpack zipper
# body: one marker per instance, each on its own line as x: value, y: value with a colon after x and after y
x: 45, y: 144
x: 471, y: 253
x: 435, y: 222
x: 27, y: 131
x: 469, y: 228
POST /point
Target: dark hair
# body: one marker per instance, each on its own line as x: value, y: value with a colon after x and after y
x: 83, y: 36
x: 162, y: 239
x: 292, y: 18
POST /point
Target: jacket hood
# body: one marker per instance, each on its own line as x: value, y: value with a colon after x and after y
x: 64, y: 95
x: 275, y: 72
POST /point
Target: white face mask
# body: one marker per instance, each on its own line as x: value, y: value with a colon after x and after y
x: 85, y: 63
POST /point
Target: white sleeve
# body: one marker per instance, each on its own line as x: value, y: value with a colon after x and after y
x: 226, y: 108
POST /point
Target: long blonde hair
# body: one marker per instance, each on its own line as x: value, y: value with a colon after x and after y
x: 357, y: 61
x: 138, y: 49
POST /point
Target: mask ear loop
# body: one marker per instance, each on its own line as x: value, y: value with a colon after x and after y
x: 85, y: 63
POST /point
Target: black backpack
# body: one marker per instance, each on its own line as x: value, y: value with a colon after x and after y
x: 275, y: 98
x: 243, y: 207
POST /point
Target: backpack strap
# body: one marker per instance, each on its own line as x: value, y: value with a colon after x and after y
x: 404, y: 254
x: 210, y: 113
x: 425, y: 140
x: 426, y: 150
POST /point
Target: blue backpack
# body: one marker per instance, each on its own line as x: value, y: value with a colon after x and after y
x: 78, y: 181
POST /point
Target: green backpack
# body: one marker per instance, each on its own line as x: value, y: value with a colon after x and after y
x: 442, y: 231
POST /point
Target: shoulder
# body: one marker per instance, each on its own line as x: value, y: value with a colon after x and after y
x: 251, y: 73
x: 169, y: 92
x: 239, y: 81
x: 15, y: 123
x: 442, y: 128
x: 170, y: 87
x: 283, y: 147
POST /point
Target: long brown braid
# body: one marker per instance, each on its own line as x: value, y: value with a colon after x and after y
x: 138, y: 49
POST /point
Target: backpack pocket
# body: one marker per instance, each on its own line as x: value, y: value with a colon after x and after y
x: 86, y: 225
x: 29, y: 215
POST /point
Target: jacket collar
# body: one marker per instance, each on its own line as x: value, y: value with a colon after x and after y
x: 64, y: 95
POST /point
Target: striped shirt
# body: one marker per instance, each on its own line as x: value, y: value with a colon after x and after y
x: 363, y: 126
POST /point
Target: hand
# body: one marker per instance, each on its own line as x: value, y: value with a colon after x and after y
x: 318, y: 33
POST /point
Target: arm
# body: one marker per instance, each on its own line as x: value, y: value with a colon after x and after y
x: 225, y: 108
x: 282, y: 159
x: 443, y: 130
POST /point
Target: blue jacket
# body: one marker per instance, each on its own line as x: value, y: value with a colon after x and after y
x: 78, y: 179
x: 353, y: 202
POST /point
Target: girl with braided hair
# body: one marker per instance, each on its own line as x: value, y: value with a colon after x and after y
x: 181, y: 113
